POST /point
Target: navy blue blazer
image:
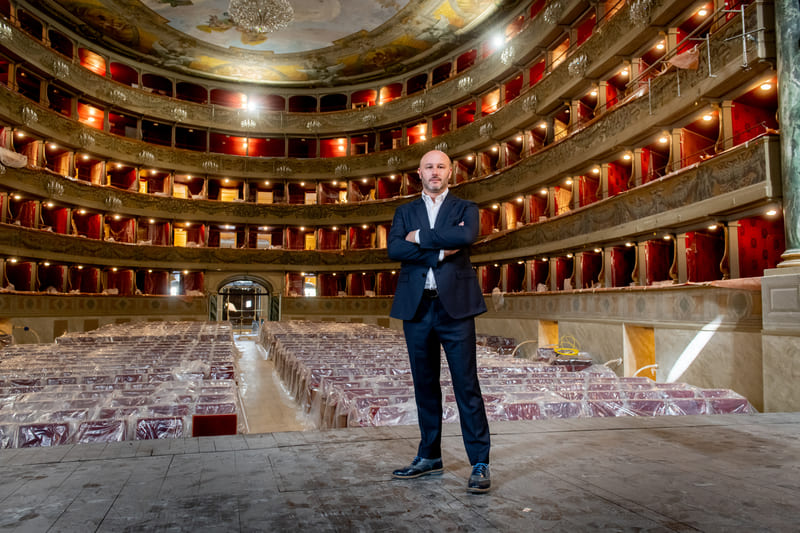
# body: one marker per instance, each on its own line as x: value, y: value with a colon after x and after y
x: 459, y: 291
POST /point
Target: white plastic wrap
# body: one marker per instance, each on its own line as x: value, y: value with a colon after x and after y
x: 358, y: 375
x: 119, y: 382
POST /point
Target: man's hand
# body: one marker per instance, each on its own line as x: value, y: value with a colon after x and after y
x: 412, y: 236
x: 449, y: 252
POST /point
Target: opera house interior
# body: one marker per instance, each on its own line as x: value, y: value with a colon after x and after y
x: 183, y: 170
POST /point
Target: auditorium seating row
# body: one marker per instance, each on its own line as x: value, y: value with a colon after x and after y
x: 120, y: 382
x: 358, y: 375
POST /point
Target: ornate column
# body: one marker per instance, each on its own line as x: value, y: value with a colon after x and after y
x: 787, y: 30
x: 780, y: 287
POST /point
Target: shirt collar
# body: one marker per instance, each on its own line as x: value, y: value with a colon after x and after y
x: 439, y: 199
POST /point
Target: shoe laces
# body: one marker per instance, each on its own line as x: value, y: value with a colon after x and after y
x: 480, y: 469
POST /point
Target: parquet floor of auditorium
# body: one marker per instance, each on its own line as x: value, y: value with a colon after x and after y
x: 681, y: 473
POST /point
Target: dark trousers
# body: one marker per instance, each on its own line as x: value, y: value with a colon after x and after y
x: 431, y: 328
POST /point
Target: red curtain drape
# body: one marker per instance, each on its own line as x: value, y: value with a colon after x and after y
x: 294, y: 284
x: 540, y: 270
x: 193, y: 281
x: 156, y: 282
x: 327, y: 285
x: 761, y: 243
x: 26, y: 215
x: 55, y: 276
x: 122, y: 230
x: 21, y: 275
x: 122, y: 280
x: 617, y: 179
x: 591, y: 264
x: 621, y: 266
x: 587, y: 190
x: 658, y: 259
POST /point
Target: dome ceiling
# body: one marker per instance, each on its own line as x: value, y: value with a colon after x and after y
x: 329, y: 42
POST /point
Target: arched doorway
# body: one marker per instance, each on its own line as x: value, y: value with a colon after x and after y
x: 244, y: 301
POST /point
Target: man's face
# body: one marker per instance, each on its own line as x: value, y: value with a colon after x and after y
x: 434, y: 171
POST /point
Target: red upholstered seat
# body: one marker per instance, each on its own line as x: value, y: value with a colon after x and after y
x: 35, y: 435
x: 159, y: 428
x: 101, y: 431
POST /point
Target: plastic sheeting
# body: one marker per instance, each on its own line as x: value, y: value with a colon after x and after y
x: 117, y: 383
x: 358, y: 375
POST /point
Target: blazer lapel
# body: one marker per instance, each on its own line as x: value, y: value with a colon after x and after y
x: 421, y: 213
x: 444, y: 211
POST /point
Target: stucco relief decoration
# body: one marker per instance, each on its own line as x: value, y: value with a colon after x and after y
x: 248, y: 124
x: 577, y: 66
x: 313, y: 125
x: 54, y: 188
x: 553, y: 12
x: 369, y: 119
x: 179, y: 114
x: 117, y: 96
x: 486, y: 130
x: 60, y: 68
x: 341, y: 170
x: 507, y: 57
x: 418, y: 105
x: 85, y: 139
x: 29, y: 116
x: 112, y: 202
x: 394, y: 161
x: 465, y: 83
x: 284, y: 170
x: 639, y: 12
x: 529, y: 103
x: 146, y: 157
x: 6, y: 34
x: 209, y: 165
x: 442, y: 147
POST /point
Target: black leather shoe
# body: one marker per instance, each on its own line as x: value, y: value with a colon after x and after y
x: 480, y: 480
x: 420, y: 467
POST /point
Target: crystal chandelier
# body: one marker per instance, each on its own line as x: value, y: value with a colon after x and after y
x: 261, y: 16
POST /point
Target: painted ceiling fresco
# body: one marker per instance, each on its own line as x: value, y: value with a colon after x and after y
x: 330, y: 42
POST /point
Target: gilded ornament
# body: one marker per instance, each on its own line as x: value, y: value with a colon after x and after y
x: 639, y: 12
x: 112, y: 202
x: 553, y: 12
x: 209, y: 165
x: 369, y: 119
x: 146, y: 156
x: 85, y: 139
x: 529, y: 103
x: 29, y: 116
x: 465, y: 83
x: 117, y: 96
x: 60, y: 68
x: 313, y: 125
x: 6, y: 33
x: 179, y: 114
x: 577, y: 66
x: 248, y: 124
x: 342, y: 170
x: 507, y: 57
x: 418, y: 105
x: 486, y: 130
x: 54, y: 188
x: 442, y: 147
x: 394, y: 161
x: 284, y: 170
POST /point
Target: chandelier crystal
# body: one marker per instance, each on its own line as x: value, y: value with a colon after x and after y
x: 261, y: 16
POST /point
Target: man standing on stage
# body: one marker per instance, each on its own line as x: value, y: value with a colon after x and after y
x: 438, y: 297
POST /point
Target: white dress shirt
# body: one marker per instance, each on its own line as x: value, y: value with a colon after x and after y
x: 432, y: 206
